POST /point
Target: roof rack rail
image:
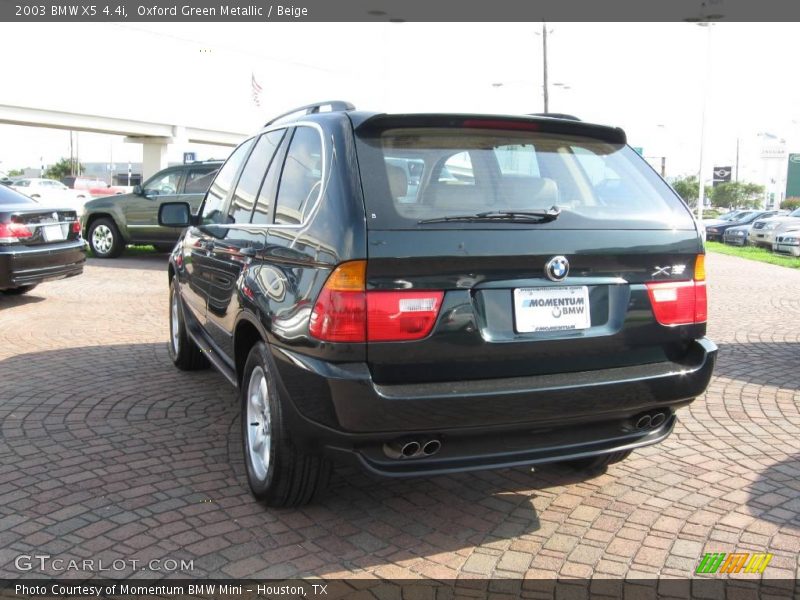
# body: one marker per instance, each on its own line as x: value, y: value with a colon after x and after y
x: 564, y: 116
x: 335, y: 105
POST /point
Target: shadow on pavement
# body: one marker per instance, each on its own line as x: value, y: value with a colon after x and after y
x: 114, y: 443
x: 155, y: 261
x: 775, y: 496
x: 9, y: 300
x: 760, y: 363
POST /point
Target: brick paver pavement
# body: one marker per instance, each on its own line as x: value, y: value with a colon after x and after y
x: 108, y: 452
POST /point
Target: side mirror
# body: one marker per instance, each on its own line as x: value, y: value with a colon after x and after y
x: 137, y: 189
x: 175, y: 214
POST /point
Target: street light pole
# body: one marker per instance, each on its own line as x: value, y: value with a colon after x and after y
x: 544, y: 69
x: 702, y: 190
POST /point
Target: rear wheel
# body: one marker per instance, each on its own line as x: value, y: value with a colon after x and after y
x: 105, y: 239
x: 279, y: 474
x: 598, y: 463
x: 182, y: 350
x: 18, y: 291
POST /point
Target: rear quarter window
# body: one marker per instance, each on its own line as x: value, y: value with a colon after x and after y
x: 461, y: 171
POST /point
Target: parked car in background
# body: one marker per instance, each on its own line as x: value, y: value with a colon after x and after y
x: 36, y: 243
x: 726, y: 218
x: 97, y: 188
x: 787, y: 242
x: 112, y: 222
x: 715, y: 231
x: 737, y: 236
x: 532, y: 292
x: 763, y: 233
x: 51, y: 193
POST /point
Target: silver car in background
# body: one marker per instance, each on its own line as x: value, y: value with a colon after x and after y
x: 763, y: 232
x: 786, y: 238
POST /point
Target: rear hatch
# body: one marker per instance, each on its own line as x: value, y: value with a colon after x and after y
x: 507, y: 247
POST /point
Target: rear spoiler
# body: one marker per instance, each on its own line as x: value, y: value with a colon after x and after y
x: 381, y: 122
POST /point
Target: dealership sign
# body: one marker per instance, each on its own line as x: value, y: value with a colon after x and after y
x: 722, y: 175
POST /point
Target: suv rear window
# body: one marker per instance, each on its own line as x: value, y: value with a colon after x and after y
x: 413, y: 174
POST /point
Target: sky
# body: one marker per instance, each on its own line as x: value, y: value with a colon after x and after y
x: 648, y: 78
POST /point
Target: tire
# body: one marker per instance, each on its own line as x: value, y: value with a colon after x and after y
x: 182, y: 349
x: 105, y: 239
x: 279, y: 474
x: 163, y: 247
x: 18, y: 291
x: 598, y: 463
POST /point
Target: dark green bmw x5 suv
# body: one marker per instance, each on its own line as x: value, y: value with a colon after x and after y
x: 429, y: 293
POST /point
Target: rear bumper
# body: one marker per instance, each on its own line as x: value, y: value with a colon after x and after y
x: 21, y: 266
x: 486, y: 423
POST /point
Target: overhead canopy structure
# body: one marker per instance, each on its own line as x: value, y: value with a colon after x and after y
x: 154, y: 137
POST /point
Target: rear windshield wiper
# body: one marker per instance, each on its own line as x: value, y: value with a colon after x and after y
x: 521, y: 216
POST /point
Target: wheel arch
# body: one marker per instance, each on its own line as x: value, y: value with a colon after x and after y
x: 247, y: 332
x: 105, y: 215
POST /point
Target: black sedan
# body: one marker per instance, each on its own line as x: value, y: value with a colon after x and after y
x: 37, y: 243
x: 714, y: 232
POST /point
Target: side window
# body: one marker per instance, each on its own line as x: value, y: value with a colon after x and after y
x: 198, y: 181
x: 244, y: 198
x: 162, y: 183
x: 301, y: 180
x: 457, y: 170
x: 266, y: 196
x: 517, y: 160
x: 215, y: 199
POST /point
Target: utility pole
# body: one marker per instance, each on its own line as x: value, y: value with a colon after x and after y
x: 737, y: 160
x: 544, y: 70
x: 706, y: 85
x: 71, y: 156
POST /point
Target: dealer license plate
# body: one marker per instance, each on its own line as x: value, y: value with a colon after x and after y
x: 53, y: 233
x: 551, y: 308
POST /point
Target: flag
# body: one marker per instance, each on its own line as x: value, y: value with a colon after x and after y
x: 255, y: 89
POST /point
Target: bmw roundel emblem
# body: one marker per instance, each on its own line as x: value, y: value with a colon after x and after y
x: 557, y: 268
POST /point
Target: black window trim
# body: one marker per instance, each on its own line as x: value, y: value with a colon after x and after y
x: 282, y: 146
x: 314, y: 206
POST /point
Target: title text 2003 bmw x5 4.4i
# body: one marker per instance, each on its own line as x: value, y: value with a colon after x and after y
x: 425, y: 294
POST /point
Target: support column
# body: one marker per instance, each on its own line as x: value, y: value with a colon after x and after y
x: 154, y: 153
x: 154, y: 158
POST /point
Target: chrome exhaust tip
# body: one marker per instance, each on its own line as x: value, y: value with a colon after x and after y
x: 644, y: 422
x: 431, y: 447
x: 401, y: 449
x: 658, y: 419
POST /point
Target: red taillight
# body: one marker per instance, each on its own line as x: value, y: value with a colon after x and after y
x: 345, y: 312
x: 76, y: 227
x: 405, y: 315
x: 340, y: 313
x: 12, y: 232
x: 681, y: 302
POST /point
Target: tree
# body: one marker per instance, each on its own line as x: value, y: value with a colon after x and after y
x: 16, y: 172
x: 688, y: 189
x: 62, y: 168
x: 790, y: 203
x: 736, y: 194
